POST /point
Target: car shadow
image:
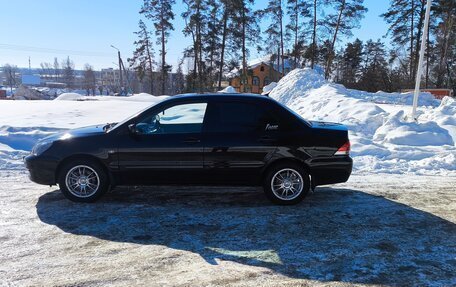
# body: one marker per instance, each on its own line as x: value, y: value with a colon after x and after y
x: 336, y: 234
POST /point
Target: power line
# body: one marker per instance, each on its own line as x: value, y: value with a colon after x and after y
x: 53, y: 51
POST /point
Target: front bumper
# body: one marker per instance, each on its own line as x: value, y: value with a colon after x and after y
x: 42, y: 170
x: 335, y: 169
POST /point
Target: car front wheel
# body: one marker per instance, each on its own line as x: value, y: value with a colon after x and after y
x: 83, y: 181
x: 286, y: 184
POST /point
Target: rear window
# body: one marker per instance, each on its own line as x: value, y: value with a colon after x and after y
x: 309, y: 124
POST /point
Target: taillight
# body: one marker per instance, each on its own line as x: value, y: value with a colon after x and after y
x: 344, y: 150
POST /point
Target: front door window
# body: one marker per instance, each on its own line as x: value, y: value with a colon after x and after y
x: 184, y: 118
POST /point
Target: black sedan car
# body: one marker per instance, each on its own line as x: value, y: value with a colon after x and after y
x: 216, y: 139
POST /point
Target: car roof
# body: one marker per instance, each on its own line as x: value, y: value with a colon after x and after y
x: 225, y: 96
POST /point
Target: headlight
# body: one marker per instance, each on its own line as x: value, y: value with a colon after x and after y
x: 41, y: 147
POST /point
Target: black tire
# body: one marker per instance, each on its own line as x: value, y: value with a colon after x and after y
x: 284, y: 167
x: 101, y: 177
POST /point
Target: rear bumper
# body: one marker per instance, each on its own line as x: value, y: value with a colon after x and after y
x: 330, y: 170
x: 41, y: 169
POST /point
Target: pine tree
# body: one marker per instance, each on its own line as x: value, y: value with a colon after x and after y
x: 161, y: 14
x: 247, y: 31
x: 212, y: 40
x: 406, y: 20
x: 274, y: 31
x: 227, y: 15
x: 143, y: 56
x: 445, y: 35
x: 347, y: 16
x: 180, y: 78
x: 195, y: 26
x: 298, y: 10
x: 68, y: 72
x: 90, y: 81
x: 352, y: 59
x: 375, y: 75
x: 313, y: 50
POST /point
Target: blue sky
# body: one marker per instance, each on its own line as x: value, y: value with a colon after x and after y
x: 85, y: 29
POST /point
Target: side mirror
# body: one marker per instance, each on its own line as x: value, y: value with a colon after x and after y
x: 132, y: 129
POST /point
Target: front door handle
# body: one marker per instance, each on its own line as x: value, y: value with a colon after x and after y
x: 192, y: 140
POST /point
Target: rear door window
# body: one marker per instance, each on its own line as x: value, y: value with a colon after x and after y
x: 238, y: 117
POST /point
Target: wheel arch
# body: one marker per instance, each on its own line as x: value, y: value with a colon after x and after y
x: 286, y: 160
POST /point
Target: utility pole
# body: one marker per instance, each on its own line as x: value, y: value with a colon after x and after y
x: 420, y: 62
x: 120, y: 68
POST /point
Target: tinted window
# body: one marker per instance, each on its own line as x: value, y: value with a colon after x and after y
x: 239, y: 117
x: 185, y: 118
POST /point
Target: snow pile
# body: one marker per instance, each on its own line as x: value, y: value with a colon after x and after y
x: 396, y: 131
x: 25, y: 93
x: 268, y: 88
x: 70, y: 97
x: 228, y: 90
x: 382, y: 141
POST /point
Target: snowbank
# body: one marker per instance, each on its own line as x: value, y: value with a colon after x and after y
x: 396, y: 131
x: 268, y: 88
x: 228, y: 90
x: 142, y: 97
x: 69, y: 97
x: 382, y: 141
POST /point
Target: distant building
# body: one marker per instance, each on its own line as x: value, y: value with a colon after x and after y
x: 110, y: 78
x: 437, y: 93
x: 55, y: 85
x: 260, y: 72
x: 30, y: 80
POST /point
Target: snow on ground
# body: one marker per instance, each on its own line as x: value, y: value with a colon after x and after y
x: 382, y: 140
x: 22, y: 123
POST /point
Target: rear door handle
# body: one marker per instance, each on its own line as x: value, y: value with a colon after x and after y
x: 267, y: 139
x: 192, y: 140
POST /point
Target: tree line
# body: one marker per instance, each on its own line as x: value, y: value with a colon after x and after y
x: 301, y: 33
x: 305, y: 32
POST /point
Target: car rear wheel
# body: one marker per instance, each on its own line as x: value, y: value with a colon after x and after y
x: 286, y: 184
x: 83, y: 181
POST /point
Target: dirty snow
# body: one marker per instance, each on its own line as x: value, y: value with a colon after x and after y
x: 372, y: 231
